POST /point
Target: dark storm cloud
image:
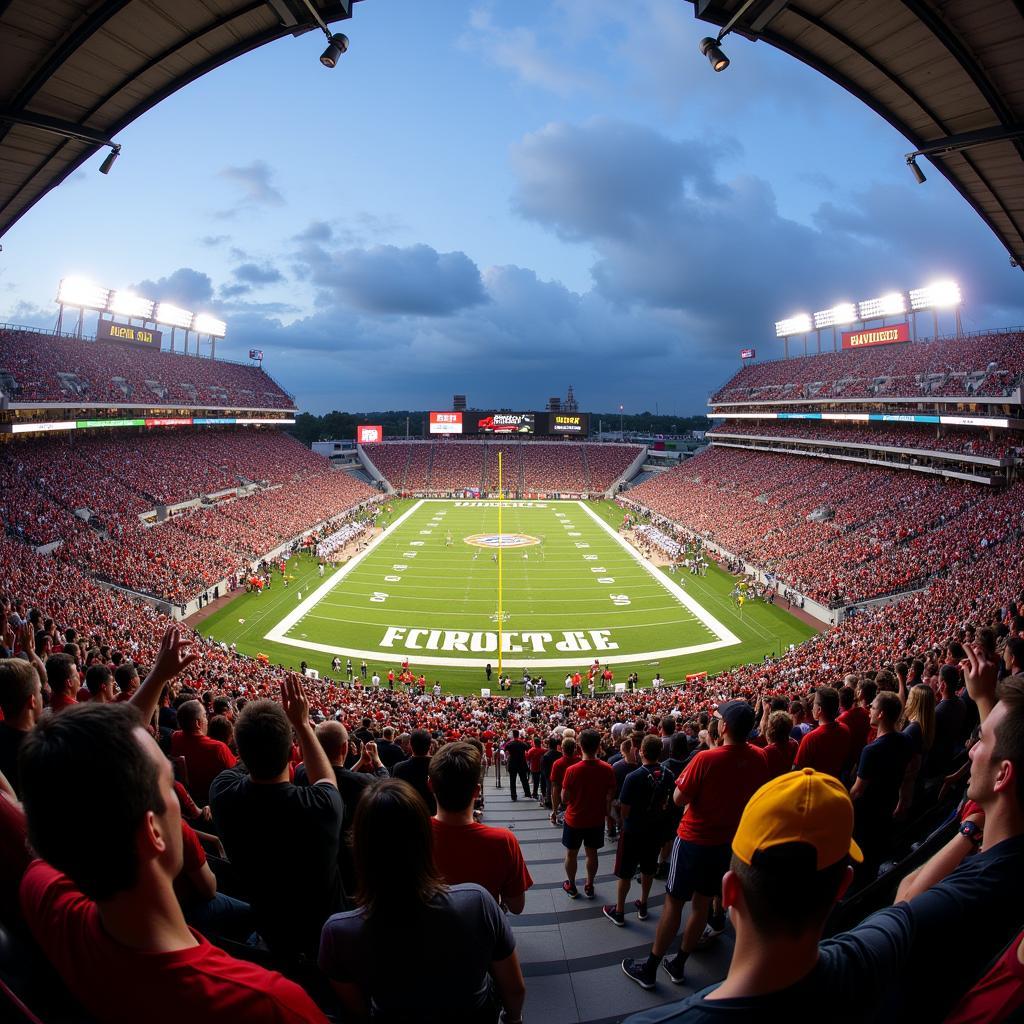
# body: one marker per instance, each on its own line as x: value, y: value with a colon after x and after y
x: 186, y: 287
x: 416, y: 280
x: 258, y: 274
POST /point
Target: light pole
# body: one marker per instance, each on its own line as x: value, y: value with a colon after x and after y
x: 622, y: 434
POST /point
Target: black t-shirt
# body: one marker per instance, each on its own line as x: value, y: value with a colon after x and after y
x: 622, y: 768
x: 414, y: 771
x: 283, y: 843
x: 515, y: 751
x: 10, y: 744
x: 390, y: 753
x: 882, y: 767
x: 950, y: 715
x: 547, y: 761
x: 645, y: 786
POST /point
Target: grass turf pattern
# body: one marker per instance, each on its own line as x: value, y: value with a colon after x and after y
x: 426, y: 590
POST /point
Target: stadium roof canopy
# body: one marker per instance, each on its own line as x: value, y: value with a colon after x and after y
x: 947, y: 74
x: 91, y: 68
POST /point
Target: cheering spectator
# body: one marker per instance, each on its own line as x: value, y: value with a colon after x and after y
x: 205, y: 758
x: 265, y: 822
x: 587, y: 790
x: 464, y: 849
x: 464, y: 948
x: 715, y: 788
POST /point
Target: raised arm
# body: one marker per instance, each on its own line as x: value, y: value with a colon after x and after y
x: 296, y: 707
x: 174, y: 656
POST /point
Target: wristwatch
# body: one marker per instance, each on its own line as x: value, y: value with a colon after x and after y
x: 971, y: 831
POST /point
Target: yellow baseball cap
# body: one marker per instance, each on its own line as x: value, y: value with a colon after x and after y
x: 799, y: 807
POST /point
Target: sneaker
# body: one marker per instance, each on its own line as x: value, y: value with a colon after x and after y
x: 674, y: 970
x: 711, y: 932
x: 588, y: 890
x: 613, y: 915
x: 570, y: 890
x: 640, y: 972
x: 641, y: 910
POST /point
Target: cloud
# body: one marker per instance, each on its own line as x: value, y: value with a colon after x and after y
x: 387, y: 279
x: 233, y: 291
x: 518, y: 50
x: 254, y: 180
x: 315, y: 231
x: 258, y: 274
x: 185, y: 287
x: 213, y: 240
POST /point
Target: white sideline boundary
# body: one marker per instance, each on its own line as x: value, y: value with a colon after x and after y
x: 725, y: 638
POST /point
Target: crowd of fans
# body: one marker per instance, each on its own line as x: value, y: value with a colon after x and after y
x: 529, y: 467
x: 910, y: 436
x: 836, y: 533
x: 50, y: 368
x: 990, y: 365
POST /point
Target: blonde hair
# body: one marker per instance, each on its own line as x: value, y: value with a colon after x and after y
x: 921, y: 709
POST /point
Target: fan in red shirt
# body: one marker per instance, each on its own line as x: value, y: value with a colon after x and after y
x: 103, y: 909
x: 828, y: 748
x: 205, y: 758
x: 558, y: 769
x: 715, y: 788
x: 858, y: 719
x: 587, y: 790
x: 780, y: 751
x: 465, y: 850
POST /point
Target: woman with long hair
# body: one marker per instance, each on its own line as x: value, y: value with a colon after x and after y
x: 416, y: 950
x: 918, y: 725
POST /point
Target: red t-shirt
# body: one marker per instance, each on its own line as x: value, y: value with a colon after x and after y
x: 561, y: 766
x: 14, y: 858
x: 491, y: 857
x: 716, y: 786
x: 825, y: 749
x: 205, y: 759
x: 585, y: 790
x: 194, y: 858
x: 858, y: 721
x: 200, y: 984
x: 997, y: 995
x: 60, y: 701
x: 534, y: 756
x: 780, y: 759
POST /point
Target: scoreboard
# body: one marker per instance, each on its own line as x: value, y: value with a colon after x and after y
x: 128, y: 334
x: 500, y: 424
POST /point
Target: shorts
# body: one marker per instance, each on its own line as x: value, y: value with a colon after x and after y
x: 696, y: 868
x: 636, y: 850
x: 591, y: 838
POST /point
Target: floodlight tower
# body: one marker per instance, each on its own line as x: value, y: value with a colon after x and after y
x: 795, y: 325
x: 935, y: 296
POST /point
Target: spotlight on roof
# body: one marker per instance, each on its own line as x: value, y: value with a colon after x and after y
x: 114, y: 153
x: 916, y: 171
x: 337, y: 46
x: 710, y: 48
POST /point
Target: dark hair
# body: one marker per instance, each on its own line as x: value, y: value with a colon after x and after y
x: 775, y: 874
x: 220, y: 728
x: 58, y: 671
x: 454, y: 775
x: 124, y: 674
x: 828, y: 702
x: 89, y: 832
x: 679, y: 745
x: 868, y: 690
x: 97, y: 677
x: 263, y: 736
x: 1009, y: 734
x: 889, y: 705
x: 393, y: 877
x: 847, y: 697
x: 590, y: 741
x: 650, y: 749
x: 1015, y: 645
x: 668, y: 725
x: 17, y: 686
x: 780, y: 725
x: 419, y: 740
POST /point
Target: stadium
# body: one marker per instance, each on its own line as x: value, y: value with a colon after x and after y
x: 268, y: 696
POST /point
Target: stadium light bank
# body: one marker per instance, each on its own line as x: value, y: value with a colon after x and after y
x: 935, y: 296
x: 81, y: 294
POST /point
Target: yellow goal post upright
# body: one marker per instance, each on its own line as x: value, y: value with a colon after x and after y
x: 501, y: 548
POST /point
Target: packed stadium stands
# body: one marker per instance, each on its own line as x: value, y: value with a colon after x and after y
x: 38, y: 367
x: 989, y: 365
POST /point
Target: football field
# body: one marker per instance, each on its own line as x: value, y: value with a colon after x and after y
x: 572, y: 590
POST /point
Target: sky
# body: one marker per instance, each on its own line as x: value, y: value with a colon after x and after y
x: 501, y: 200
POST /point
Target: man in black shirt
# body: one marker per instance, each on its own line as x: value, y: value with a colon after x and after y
x: 515, y: 754
x: 21, y: 700
x: 414, y: 769
x: 333, y: 737
x: 950, y: 731
x: 388, y: 750
x: 551, y: 755
x: 282, y: 839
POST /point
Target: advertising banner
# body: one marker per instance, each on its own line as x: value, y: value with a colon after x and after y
x: 256, y: 354
x: 748, y: 353
x: 446, y: 422
x: 569, y: 423
x: 891, y: 335
x: 505, y: 423
x: 126, y: 334
x: 369, y: 434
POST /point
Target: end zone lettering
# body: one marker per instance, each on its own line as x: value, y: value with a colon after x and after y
x: 877, y: 336
x: 571, y: 641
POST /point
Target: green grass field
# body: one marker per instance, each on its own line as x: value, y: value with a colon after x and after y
x: 572, y: 590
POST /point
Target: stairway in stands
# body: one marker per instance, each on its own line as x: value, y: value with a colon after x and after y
x: 571, y: 954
